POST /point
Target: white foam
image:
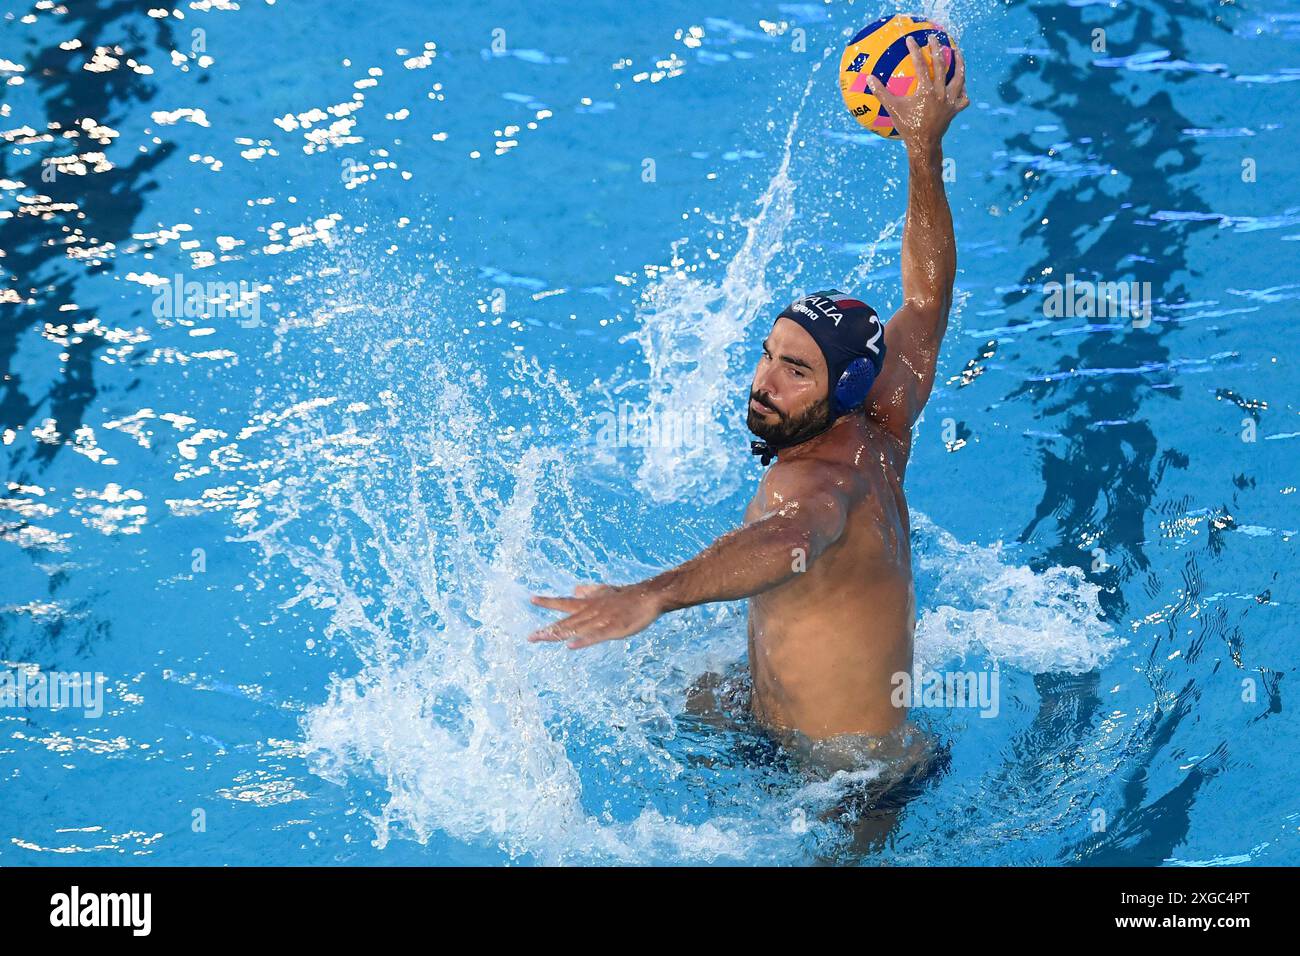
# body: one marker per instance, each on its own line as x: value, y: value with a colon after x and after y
x: 1036, y: 621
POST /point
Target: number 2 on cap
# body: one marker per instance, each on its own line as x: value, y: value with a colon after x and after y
x: 871, y: 342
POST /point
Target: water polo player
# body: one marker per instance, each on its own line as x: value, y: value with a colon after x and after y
x: 823, y: 557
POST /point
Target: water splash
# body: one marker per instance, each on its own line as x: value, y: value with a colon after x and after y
x: 975, y: 601
x: 469, y: 731
x: 688, y: 328
x: 415, y: 522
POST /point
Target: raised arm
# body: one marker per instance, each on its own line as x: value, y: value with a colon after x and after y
x: 929, y: 258
x: 805, y: 514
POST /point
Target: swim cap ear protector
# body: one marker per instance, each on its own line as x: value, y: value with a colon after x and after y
x: 854, y: 384
x: 852, y: 340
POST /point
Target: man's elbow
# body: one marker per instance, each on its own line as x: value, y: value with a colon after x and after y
x: 800, y: 544
x: 805, y: 542
x: 931, y: 309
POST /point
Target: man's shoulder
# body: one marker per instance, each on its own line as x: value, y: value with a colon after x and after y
x: 823, y: 473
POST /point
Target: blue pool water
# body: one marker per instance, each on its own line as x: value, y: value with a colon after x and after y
x: 297, y: 539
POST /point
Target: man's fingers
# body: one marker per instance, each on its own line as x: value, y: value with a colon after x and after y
x: 559, y: 631
x: 552, y: 632
x: 607, y: 614
x: 578, y: 643
x: 958, y: 84
x: 881, y: 92
x: 563, y: 629
x: 938, y: 65
x: 559, y: 603
x: 590, y: 590
x: 595, y: 633
x: 923, y: 76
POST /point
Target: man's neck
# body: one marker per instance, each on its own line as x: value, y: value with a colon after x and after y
x: 812, y: 443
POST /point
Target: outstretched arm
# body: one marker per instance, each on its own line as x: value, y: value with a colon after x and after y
x: 805, y: 514
x: 929, y: 258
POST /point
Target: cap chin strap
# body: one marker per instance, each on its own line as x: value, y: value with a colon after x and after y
x: 763, y: 449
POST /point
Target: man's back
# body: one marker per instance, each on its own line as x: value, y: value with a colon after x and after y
x: 825, y: 645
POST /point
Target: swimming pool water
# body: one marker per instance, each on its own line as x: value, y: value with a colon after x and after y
x: 296, y: 537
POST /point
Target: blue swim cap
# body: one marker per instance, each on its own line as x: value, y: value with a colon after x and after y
x: 852, y: 339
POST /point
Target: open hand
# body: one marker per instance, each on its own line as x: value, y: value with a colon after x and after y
x: 599, y: 613
x: 922, y: 117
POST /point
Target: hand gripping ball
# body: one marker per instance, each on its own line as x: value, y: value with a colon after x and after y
x: 881, y: 48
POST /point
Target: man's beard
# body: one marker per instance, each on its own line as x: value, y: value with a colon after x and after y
x: 787, y: 432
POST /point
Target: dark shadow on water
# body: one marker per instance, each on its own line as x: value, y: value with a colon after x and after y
x: 102, y: 211
x: 107, y: 204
